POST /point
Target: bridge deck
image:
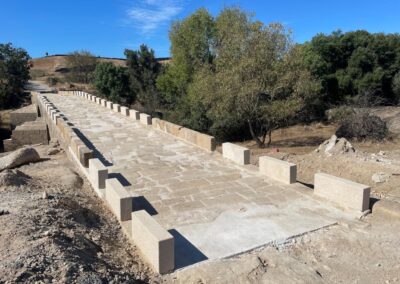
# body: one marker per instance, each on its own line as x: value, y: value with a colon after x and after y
x: 213, y: 207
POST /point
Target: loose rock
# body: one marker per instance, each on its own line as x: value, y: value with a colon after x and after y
x: 18, y: 158
x: 53, y: 151
x: 380, y: 177
x: 335, y: 146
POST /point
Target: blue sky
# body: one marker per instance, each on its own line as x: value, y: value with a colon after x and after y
x: 107, y: 27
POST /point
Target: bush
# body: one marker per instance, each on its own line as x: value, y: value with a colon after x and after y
x: 112, y: 82
x: 339, y: 113
x: 362, y: 126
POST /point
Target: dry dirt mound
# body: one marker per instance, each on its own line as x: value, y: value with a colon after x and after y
x: 13, y: 178
x: 19, y: 157
x: 335, y: 146
x: 54, y: 229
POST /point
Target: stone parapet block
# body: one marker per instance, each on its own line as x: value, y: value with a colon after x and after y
x: 277, y: 169
x: 153, y: 241
x: 119, y: 199
x: 238, y: 154
x: 344, y: 192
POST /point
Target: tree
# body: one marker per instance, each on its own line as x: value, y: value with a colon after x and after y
x: 113, y: 83
x: 81, y: 64
x: 191, y: 47
x: 14, y: 73
x: 256, y: 73
x: 352, y: 64
x: 143, y: 69
x: 396, y: 86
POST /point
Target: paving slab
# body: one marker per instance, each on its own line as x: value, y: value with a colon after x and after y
x: 213, y: 207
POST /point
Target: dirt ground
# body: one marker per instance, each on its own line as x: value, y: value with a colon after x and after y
x: 365, y: 251
x: 67, y: 236
x: 298, y: 144
x: 54, y: 229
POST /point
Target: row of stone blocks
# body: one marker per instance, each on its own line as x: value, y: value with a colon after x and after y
x: 155, y: 243
x: 345, y: 193
x: 79, y: 148
x: 142, y: 117
x: 201, y: 140
x: 196, y: 138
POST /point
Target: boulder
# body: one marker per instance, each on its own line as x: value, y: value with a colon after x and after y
x: 13, y: 178
x: 18, y: 158
x: 335, y: 145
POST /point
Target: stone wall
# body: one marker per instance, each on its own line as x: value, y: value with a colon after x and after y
x: 196, y: 138
x: 22, y: 115
x: 158, y: 252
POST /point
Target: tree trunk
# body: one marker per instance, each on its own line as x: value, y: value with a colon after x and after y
x: 269, y: 137
x: 254, y: 136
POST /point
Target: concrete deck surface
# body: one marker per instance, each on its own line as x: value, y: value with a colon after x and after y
x: 213, y: 207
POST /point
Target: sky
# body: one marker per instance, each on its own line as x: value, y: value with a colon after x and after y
x: 108, y: 27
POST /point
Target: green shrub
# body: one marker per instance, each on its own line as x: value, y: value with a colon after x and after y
x: 363, y: 126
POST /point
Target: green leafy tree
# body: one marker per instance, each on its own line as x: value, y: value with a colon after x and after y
x: 14, y: 73
x: 396, y: 86
x: 112, y: 82
x: 81, y: 64
x: 143, y: 69
x: 350, y: 65
x: 191, y: 47
x: 256, y: 73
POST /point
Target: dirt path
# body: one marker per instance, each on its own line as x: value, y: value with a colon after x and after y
x: 67, y: 237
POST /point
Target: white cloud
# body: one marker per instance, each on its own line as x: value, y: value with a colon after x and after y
x: 148, y: 15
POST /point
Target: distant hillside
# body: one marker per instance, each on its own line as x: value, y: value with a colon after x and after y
x: 55, y: 65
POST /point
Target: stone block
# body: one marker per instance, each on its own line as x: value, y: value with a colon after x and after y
x: 173, y: 129
x: 236, y: 153
x: 190, y: 135
x: 277, y: 169
x: 153, y: 241
x: 158, y: 123
x: 109, y: 105
x: 98, y: 173
x: 22, y: 115
x: 75, y: 143
x: 32, y: 132
x: 206, y: 142
x: 124, y: 110
x: 344, y: 192
x: 134, y: 114
x: 145, y: 119
x: 119, y: 199
x: 9, y: 145
x: 116, y: 108
x: 84, y: 155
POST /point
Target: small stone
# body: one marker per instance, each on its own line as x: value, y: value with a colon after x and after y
x: 45, y: 195
x: 382, y: 153
x: 53, y: 151
x: 380, y: 177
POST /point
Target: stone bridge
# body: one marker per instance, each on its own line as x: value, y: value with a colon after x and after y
x: 177, y: 199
